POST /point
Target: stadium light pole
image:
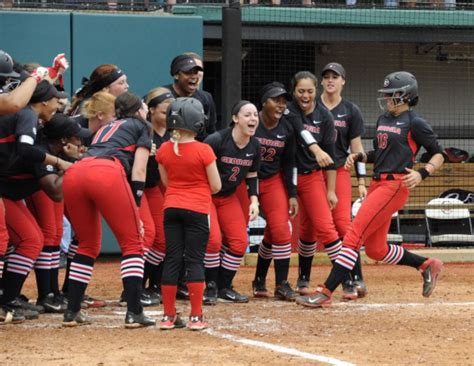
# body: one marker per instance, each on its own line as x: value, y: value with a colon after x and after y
x: 231, y: 82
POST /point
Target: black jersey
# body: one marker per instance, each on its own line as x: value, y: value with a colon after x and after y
x: 321, y: 126
x: 398, y: 139
x: 17, y: 128
x: 152, y: 172
x: 209, y: 109
x: 277, y: 153
x: 233, y: 163
x: 349, y: 125
x: 25, y: 181
x: 120, y: 139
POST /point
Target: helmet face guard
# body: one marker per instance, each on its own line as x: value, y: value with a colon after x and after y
x: 9, y: 84
x: 397, y: 98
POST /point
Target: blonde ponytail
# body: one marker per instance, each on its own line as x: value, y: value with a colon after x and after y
x: 175, y: 135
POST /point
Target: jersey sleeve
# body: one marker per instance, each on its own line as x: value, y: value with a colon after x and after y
x: 356, y: 126
x: 26, y: 126
x: 144, y: 136
x: 424, y: 135
x: 214, y: 141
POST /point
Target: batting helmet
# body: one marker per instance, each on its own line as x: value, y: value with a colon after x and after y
x: 403, y: 88
x: 186, y: 114
x: 6, y: 66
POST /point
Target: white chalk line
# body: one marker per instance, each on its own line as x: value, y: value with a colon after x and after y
x: 279, y: 349
x: 116, y: 315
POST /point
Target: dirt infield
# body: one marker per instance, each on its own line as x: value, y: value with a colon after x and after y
x: 394, y: 325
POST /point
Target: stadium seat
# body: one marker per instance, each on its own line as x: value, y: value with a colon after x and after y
x: 394, y: 235
x: 448, y: 226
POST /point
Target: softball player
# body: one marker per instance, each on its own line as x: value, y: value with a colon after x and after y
x: 106, y: 77
x: 315, y: 152
x: 185, y: 72
x: 17, y: 136
x: 238, y: 158
x: 400, y: 134
x: 188, y: 169
x: 62, y: 137
x: 349, y: 129
x: 277, y: 191
x: 109, y: 181
x: 98, y: 110
x: 158, y: 101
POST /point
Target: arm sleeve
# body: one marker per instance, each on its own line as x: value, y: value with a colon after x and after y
x: 294, y: 118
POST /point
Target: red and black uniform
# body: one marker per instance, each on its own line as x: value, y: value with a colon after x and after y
x: 95, y: 186
x: 227, y: 216
x: 277, y: 183
x: 349, y: 125
x: 154, y: 191
x: 207, y: 102
x: 17, y: 137
x: 396, y: 143
x: 49, y: 216
x: 316, y: 223
x: 187, y: 207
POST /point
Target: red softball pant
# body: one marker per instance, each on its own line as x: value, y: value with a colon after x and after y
x: 155, y: 199
x: 94, y: 187
x: 147, y: 220
x: 316, y: 219
x: 25, y: 234
x: 48, y: 215
x: 3, y: 230
x: 372, y: 222
x: 274, y: 203
x: 341, y: 214
x: 227, y: 216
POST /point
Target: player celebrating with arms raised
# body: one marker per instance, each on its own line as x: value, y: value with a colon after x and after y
x: 400, y: 134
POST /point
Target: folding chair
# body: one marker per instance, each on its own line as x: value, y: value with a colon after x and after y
x: 448, y: 226
x: 394, y: 235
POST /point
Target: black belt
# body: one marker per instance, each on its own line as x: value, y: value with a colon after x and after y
x: 387, y: 176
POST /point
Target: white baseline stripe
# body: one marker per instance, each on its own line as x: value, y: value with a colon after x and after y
x: 280, y: 349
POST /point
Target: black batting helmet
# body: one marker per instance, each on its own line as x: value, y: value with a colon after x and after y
x: 402, y: 86
x: 186, y: 114
x: 6, y: 66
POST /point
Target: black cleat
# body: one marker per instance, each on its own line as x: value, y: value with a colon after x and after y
x: 230, y: 295
x: 133, y: 320
x: 284, y: 292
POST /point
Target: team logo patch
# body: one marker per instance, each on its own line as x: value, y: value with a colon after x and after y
x: 49, y: 168
x: 386, y: 83
x: 286, y: 112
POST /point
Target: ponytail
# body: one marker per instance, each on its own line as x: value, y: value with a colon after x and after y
x: 175, y: 135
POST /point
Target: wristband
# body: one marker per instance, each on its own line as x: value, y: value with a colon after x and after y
x: 252, y: 186
x: 137, y: 190
x: 423, y: 172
